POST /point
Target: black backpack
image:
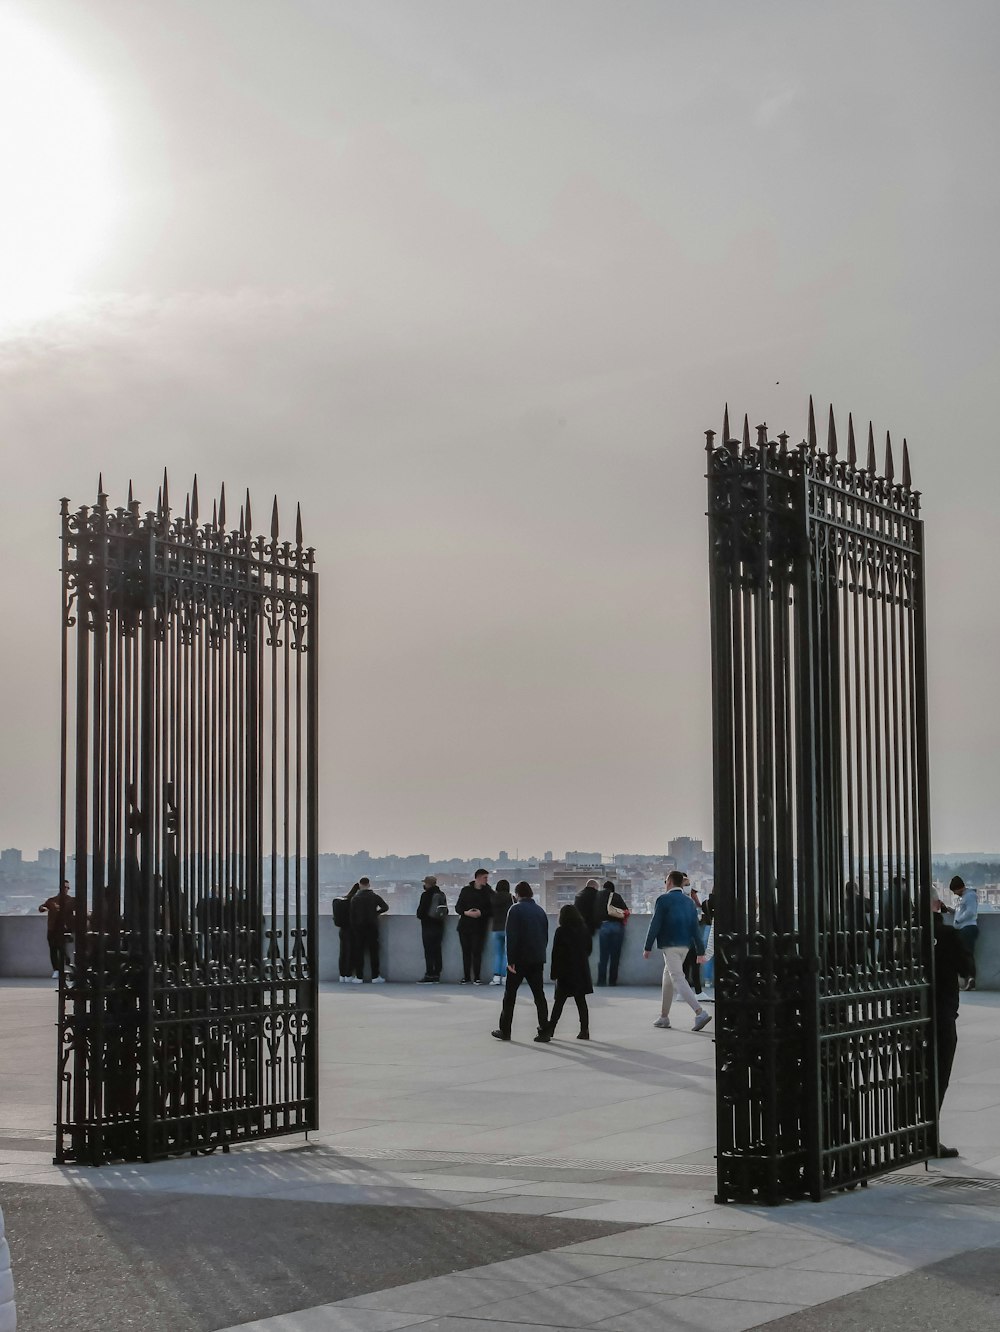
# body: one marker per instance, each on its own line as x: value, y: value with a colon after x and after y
x: 439, y: 906
x: 341, y: 912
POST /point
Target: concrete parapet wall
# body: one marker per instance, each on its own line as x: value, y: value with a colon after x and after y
x: 24, y: 952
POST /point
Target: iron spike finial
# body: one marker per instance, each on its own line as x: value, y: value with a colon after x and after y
x: 907, y: 479
x: 852, y: 448
x: 194, y: 501
x: 762, y: 435
x: 709, y: 440
x: 783, y: 442
x: 725, y: 425
x: 166, y: 494
x: 187, y: 510
x: 890, y: 470
x: 872, y: 462
x: 215, y: 514
x: 274, y: 519
x: 298, y: 524
x: 100, y: 484
x: 746, y: 432
x: 242, y: 521
x: 831, y: 436
x: 222, y: 506
x: 812, y: 426
x: 131, y: 501
x: 159, y: 502
x: 249, y: 516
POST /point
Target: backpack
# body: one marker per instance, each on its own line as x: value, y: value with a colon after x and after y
x: 341, y: 913
x: 439, y: 906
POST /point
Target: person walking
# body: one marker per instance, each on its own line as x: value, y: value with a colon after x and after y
x: 474, y: 908
x: 692, y: 967
x: 586, y: 904
x: 61, y: 909
x: 500, y: 903
x: 527, y: 941
x: 570, y: 969
x: 674, y: 929
x: 366, y: 907
x: 342, y: 921
x: 966, y: 925
x: 431, y: 912
x: 611, y: 912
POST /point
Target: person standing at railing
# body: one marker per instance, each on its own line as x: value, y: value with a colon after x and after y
x: 501, y: 902
x: 431, y: 912
x: 475, y: 910
x: 366, y: 908
x: 966, y: 924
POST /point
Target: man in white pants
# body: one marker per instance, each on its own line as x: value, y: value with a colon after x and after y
x: 674, y: 929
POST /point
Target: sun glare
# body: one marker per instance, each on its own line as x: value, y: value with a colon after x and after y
x: 57, y: 188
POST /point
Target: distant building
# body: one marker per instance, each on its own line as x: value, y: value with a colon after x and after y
x: 589, y: 858
x: 548, y: 857
x: 685, y: 851
x: 561, y: 882
x: 48, y: 858
x: 10, y: 861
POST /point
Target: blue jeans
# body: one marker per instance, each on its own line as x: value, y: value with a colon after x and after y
x: 609, y: 940
x: 708, y: 970
x: 499, y: 952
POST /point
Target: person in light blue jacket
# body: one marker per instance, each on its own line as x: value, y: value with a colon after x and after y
x: 674, y: 929
x: 966, y: 923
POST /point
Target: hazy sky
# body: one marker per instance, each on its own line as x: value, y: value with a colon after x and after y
x: 470, y: 278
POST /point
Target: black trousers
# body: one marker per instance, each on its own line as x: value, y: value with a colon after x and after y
x: 56, y: 951
x: 431, y: 932
x: 947, y: 1041
x: 472, y: 938
x: 692, y: 971
x: 560, y: 1003
x: 533, y: 974
x: 346, y: 951
x: 365, y: 939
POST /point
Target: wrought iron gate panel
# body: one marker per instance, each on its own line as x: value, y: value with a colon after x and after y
x: 187, y: 1004
x: 824, y: 1026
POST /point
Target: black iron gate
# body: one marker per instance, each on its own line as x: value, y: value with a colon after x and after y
x: 824, y: 1027
x: 187, y: 1000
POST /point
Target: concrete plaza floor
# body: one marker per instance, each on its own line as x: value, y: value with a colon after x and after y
x: 463, y: 1185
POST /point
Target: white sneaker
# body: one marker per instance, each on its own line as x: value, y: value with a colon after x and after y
x: 378, y: 980
x: 355, y: 980
x: 701, y: 1021
x: 497, y: 980
x: 701, y: 996
x: 662, y: 1022
x: 55, y: 975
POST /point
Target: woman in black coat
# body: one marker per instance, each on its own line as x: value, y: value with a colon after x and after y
x: 571, y: 969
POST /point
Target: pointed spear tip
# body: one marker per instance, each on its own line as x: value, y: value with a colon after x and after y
x: 249, y: 515
x: 852, y: 448
x: 831, y: 438
x: 812, y: 424
x: 872, y: 462
x: 194, y: 499
x: 725, y: 425
x: 890, y: 469
x: 907, y: 479
x: 298, y: 524
x: 274, y: 519
x: 222, y: 506
x: 746, y: 431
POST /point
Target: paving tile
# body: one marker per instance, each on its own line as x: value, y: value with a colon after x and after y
x: 553, y: 1267
x: 562, y: 1306
x: 653, y: 1241
x: 331, y: 1318
x: 441, y: 1295
x: 766, y: 1250
x: 786, y: 1286
x: 525, y: 1204
x: 851, y: 1258
x: 696, y: 1313
x: 639, y: 1210
x: 665, y: 1276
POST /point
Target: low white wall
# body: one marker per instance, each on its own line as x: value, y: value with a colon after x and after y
x: 24, y: 952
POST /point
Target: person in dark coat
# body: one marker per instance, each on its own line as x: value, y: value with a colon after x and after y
x: 950, y: 964
x: 475, y: 909
x: 527, y: 942
x: 586, y: 905
x: 60, y: 911
x: 611, y: 909
x: 571, y: 969
x: 342, y: 920
x: 431, y: 911
x: 501, y: 902
x: 366, y: 907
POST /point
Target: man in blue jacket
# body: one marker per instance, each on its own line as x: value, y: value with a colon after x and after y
x: 674, y: 929
x: 527, y: 944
